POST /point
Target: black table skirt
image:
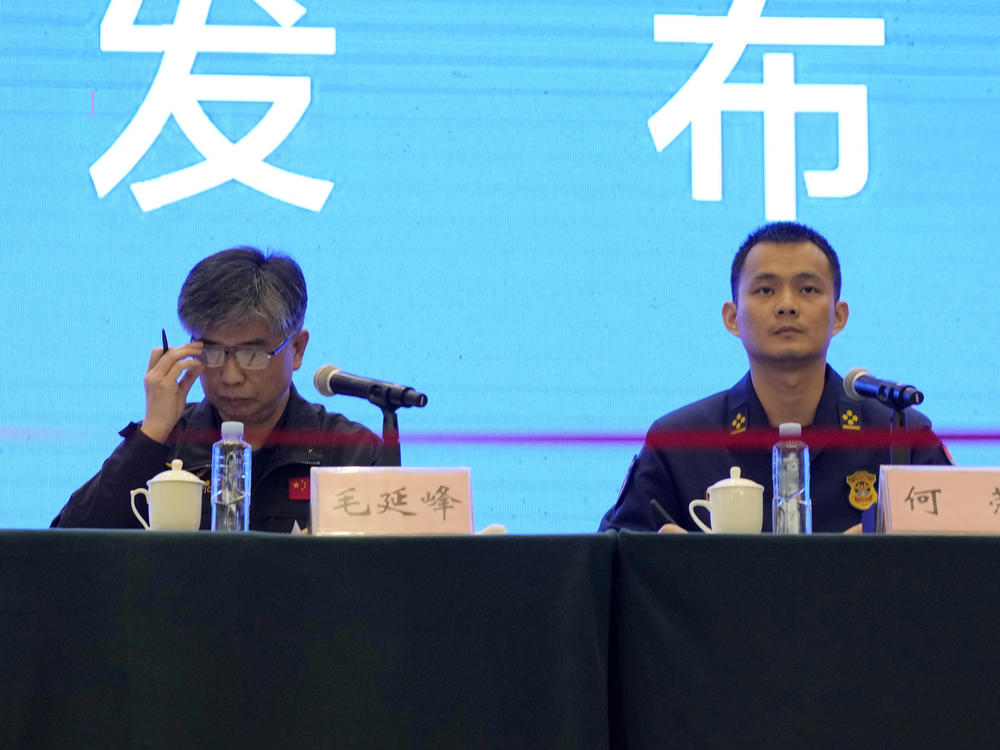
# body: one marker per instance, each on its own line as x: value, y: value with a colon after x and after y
x: 821, y: 642
x: 131, y: 639
x: 163, y: 640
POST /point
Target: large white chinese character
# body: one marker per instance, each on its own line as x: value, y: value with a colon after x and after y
x: 179, y: 92
x: 705, y: 95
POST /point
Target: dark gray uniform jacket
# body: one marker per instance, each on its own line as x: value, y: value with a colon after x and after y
x: 305, y: 436
x: 676, y: 476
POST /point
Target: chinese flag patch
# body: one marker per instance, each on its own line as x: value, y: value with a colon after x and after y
x: 298, y: 489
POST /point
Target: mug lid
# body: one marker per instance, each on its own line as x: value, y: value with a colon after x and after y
x: 176, y: 474
x: 735, y: 480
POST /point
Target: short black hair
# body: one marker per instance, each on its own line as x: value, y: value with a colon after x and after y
x: 240, y: 285
x: 783, y: 232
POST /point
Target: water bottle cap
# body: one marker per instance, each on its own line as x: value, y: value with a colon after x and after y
x: 789, y: 430
x: 232, y: 430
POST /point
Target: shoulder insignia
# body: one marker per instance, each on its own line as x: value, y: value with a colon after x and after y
x: 862, y: 484
x: 738, y: 420
x: 850, y: 418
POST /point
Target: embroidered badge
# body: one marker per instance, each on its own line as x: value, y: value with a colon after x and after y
x: 738, y: 421
x: 298, y: 489
x: 862, y: 484
x: 849, y: 419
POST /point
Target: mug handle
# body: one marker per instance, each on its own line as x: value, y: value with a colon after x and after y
x: 705, y: 504
x: 144, y: 491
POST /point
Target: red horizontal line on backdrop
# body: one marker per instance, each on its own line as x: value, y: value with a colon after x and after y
x: 702, y: 439
x: 672, y: 439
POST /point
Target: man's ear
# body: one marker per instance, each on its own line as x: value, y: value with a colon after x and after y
x: 298, y: 343
x: 840, y: 314
x: 729, y: 318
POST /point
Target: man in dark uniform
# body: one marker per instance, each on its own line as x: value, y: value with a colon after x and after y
x: 244, y: 311
x: 786, y: 308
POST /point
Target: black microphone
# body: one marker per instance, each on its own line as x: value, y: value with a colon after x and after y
x: 330, y: 380
x: 859, y: 384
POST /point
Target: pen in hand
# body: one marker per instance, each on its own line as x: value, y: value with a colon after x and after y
x: 662, y: 511
x: 165, y: 347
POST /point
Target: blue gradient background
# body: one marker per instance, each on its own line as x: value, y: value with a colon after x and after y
x: 502, y: 235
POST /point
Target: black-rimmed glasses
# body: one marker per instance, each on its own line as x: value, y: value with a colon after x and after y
x: 247, y: 357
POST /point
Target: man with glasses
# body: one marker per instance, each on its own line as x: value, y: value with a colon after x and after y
x: 244, y: 311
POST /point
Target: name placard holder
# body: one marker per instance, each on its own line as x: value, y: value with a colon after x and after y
x: 938, y: 500
x: 389, y: 500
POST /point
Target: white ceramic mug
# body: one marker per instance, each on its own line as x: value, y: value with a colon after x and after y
x: 735, y: 505
x: 173, y: 500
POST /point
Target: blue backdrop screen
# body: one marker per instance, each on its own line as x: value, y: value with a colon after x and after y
x: 526, y: 209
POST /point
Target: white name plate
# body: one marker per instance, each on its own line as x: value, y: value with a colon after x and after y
x: 939, y: 500
x: 389, y: 500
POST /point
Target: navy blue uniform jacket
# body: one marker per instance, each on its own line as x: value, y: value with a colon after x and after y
x: 319, y: 438
x: 676, y: 476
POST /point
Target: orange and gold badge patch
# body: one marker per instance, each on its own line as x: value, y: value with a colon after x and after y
x: 863, y: 495
x: 738, y: 422
x: 849, y: 419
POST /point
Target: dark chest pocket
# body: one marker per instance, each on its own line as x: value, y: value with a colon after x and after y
x: 280, y: 500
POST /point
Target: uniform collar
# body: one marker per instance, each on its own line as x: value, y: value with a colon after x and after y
x: 744, y: 406
x: 742, y: 401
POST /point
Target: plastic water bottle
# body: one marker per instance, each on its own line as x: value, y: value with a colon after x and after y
x: 791, y: 511
x: 231, y: 480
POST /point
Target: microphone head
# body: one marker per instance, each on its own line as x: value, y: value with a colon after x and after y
x: 851, y: 379
x: 321, y: 379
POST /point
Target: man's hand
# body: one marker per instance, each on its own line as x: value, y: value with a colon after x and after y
x: 165, y: 394
x: 672, y: 528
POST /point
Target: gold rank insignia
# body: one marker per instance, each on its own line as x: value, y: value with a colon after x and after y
x: 738, y: 421
x: 849, y: 418
x: 862, y: 484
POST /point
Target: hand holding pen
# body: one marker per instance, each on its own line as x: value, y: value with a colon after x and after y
x: 169, y: 376
x: 670, y: 526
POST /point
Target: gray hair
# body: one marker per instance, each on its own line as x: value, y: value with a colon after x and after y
x: 241, y: 285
